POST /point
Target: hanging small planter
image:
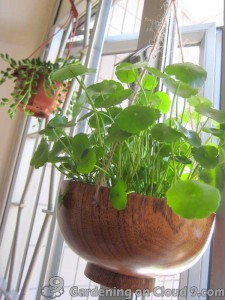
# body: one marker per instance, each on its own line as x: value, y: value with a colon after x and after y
x: 128, y: 249
x: 42, y: 103
x: 35, y: 93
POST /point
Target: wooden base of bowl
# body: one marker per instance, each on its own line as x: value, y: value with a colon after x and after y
x: 111, y: 280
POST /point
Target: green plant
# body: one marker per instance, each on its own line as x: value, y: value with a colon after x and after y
x: 26, y: 74
x: 160, y: 145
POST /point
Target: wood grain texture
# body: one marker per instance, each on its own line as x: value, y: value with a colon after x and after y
x: 112, y: 279
x: 145, y: 240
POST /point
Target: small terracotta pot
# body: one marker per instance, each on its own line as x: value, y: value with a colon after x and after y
x: 40, y: 104
x: 128, y: 249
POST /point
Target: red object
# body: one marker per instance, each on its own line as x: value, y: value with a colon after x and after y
x: 128, y: 249
x: 40, y: 104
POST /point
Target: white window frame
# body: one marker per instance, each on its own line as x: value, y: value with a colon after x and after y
x: 210, y: 41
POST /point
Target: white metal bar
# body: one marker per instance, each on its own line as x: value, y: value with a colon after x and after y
x: 5, y: 295
x: 18, y: 222
x: 102, y: 16
x: 97, y: 39
x: 50, y: 202
x: 31, y: 269
x: 217, y: 264
x: 95, y: 50
x: 30, y: 232
x: 87, y: 23
x: 40, y: 241
x: 52, y: 52
x: 115, y: 44
x: 46, y: 256
x: 65, y: 39
x: 205, y: 34
x: 58, y: 235
x: 14, y: 176
x: 58, y: 248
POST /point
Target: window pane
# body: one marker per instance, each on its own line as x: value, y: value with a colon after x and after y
x: 201, y: 11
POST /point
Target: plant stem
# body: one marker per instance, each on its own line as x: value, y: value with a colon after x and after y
x: 183, y: 110
x: 93, y: 108
x: 173, y: 102
x: 174, y: 164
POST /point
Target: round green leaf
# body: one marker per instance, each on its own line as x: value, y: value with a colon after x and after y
x: 70, y: 71
x: 156, y: 72
x: 206, y: 156
x: 216, y: 132
x: 40, y: 156
x: 189, y: 73
x: 184, y: 89
x: 182, y: 159
x: 99, y: 151
x: 134, y: 119
x: 191, y: 136
x: 165, y: 150
x: 115, y: 134
x: 214, y: 177
x: 78, y: 105
x: 165, y: 134
x: 193, y: 199
x: 126, y: 73
x: 118, y: 195
x: 53, y: 135
x: 59, y: 146
x: 198, y: 100
x: 57, y: 121
x: 108, y: 93
x: 161, y: 101
x: 106, y: 87
x: 114, y: 111
x: 113, y: 99
x: 216, y: 115
x: 86, y: 162
x: 79, y: 143
x: 149, y: 82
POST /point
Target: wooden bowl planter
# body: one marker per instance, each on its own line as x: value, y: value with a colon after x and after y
x: 128, y: 249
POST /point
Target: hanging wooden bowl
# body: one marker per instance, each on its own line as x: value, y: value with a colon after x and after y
x: 128, y: 249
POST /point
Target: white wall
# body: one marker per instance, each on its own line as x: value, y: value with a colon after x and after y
x: 24, y: 25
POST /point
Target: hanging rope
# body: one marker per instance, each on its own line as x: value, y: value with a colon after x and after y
x: 73, y: 15
x: 178, y: 31
x: 73, y: 31
x: 154, y: 46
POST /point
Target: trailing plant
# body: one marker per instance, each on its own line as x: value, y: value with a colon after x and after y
x: 160, y: 145
x: 26, y: 74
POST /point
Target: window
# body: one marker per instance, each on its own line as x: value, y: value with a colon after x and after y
x: 202, y: 44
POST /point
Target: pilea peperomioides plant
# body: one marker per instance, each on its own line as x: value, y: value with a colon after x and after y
x: 160, y: 145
